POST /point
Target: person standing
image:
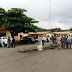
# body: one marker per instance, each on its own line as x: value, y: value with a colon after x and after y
x: 58, y: 39
x: 9, y: 42
x: 62, y: 42
x: 69, y: 40
x: 39, y: 46
x: 67, y: 45
x: 13, y: 42
x: 52, y: 39
x: 43, y: 39
x: 48, y: 39
x: 40, y: 40
x: 65, y: 42
x: 55, y: 39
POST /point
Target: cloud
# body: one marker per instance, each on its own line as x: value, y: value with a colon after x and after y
x: 54, y: 24
x: 61, y: 11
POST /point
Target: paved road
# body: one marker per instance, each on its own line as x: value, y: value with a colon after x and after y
x: 35, y: 61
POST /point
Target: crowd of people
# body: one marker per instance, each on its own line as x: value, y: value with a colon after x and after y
x: 62, y: 41
x: 57, y: 40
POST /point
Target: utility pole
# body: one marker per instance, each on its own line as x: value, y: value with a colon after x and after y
x: 49, y: 14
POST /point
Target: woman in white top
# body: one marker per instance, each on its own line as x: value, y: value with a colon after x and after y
x: 39, y: 46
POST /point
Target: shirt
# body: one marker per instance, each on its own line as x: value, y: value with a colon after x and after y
x: 69, y: 38
x: 39, y: 38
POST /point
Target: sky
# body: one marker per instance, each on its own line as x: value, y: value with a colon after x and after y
x: 61, y: 11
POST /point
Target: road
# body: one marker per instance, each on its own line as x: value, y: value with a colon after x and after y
x: 35, y: 61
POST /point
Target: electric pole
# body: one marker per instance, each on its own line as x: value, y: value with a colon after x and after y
x: 49, y: 14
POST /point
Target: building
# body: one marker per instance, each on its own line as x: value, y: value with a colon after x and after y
x: 20, y: 36
x: 47, y: 33
x: 4, y: 32
x: 62, y: 33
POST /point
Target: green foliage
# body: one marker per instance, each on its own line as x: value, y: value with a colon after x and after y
x: 70, y: 29
x: 56, y: 29
x: 40, y: 30
x: 16, y: 21
x: 60, y: 30
x: 2, y: 17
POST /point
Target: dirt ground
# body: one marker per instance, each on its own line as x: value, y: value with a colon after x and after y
x: 48, y: 60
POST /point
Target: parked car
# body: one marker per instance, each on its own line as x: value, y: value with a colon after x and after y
x: 28, y: 40
x: 3, y: 41
x: 33, y: 40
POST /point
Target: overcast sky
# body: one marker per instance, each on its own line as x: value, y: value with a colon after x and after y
x: 61, y: 11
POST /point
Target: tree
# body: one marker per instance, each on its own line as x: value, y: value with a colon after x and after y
x: 71, y: 29
x: 17, y: 21
x: 56, y: 30
x: 2, y: 16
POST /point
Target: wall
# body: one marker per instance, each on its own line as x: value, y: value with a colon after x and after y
x: 69, y: 34
x: 7, y: 33
x: 50, y: 34
x: 23, y: 34
x: 17, y: 38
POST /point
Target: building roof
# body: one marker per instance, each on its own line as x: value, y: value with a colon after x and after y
x: 38, y: 33
x: 41, y: 32
x: 68, y: 32
x: 2, y: 28
x: 31, y: 33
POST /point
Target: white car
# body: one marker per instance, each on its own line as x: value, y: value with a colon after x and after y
x: 3, y: 41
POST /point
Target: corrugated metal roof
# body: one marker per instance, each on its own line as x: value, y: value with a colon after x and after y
x: 39, y: 32
x: 62, y: 32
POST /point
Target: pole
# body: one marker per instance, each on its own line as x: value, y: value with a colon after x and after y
x: 49, y: 13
